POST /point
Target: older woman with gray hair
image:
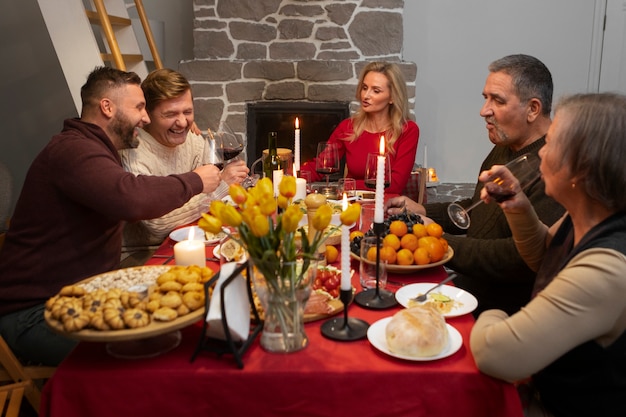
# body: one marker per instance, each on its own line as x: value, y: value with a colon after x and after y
x: 570, y: 339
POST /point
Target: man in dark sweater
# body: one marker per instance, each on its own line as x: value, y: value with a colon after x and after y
x: 518, y: 99
x: 68, y: 220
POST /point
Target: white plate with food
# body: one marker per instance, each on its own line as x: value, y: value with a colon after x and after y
x: 376, y: 334
x: 231, y: 251
x: 450, y: 301
x: 198, y: 234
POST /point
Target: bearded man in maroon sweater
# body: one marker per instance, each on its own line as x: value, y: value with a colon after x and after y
x: 68, y: 220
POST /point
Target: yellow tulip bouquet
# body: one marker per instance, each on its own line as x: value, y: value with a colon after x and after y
x: 270, y: 240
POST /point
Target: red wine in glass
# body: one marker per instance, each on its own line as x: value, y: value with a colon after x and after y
x: 499, y: 193
x: 230, y: 153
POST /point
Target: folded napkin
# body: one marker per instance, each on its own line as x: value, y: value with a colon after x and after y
x: 237, y: 307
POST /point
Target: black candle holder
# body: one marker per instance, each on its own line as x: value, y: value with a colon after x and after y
x: 378, y: 298
x: 346, y: 329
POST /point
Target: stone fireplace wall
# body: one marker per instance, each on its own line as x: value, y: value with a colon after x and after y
x: 291, y: 50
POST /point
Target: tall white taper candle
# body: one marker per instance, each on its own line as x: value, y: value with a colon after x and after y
x: 296, y: 149
x: 380, y: 184
x: 345, y: 251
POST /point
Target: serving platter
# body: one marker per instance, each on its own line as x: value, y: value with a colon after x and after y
x: 376, y: 334
x: 407, y: 269
x: 155, y: 328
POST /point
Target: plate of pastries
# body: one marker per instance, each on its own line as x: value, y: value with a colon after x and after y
x: 129, y: 303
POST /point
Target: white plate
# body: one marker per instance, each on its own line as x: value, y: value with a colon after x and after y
x: 198, y: 234
x: 466, y: 302
x: 376, y: 336
x: 217, y: 252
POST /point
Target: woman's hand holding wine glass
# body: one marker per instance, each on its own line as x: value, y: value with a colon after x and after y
x: 502, y: 183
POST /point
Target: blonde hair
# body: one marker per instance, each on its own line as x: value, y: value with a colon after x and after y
x: 398, y: 109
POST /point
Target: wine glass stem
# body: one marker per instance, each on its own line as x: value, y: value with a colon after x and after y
x: 473, y: 206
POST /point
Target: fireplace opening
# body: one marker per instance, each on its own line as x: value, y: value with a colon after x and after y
x: 317, y: 122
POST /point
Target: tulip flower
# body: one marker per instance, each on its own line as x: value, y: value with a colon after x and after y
x: 322, y: 217
x: 230, y: 216
x: 259, y: 226
x: 351, y: 214
x: 291, y: 219
x: 210, y: 224
x: 238, y: 194
x: 287, y: 186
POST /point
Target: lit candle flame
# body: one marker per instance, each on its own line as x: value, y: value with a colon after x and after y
x: 297, y: 123
x: 382, y: 145
x: 191, y: 233
x: 344, y: 205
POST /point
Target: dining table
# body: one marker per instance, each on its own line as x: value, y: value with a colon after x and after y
x: 327, y: 378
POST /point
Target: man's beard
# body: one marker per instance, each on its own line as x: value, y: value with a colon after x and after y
x: 122, y: 127
x: 501, y: 137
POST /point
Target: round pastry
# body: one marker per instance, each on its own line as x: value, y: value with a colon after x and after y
x: 113, y: 317
x: 167, y: 276
x: 75, y: 319
x: 72, y: 291
x: 135, y: 318
x: 182, y: 309
x: 170, y: 286
x: 417, y: 332
x: 153, y: 305
x: 97, y: 321
x: 193, y: 299
x: 172, y: 299
x: 165, y: 314
x: 192, y: 286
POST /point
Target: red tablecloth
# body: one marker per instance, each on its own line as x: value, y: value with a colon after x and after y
x: 324, y: 379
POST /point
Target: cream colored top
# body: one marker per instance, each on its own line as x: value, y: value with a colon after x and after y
x: 153, y: 158
x: 585, y: 301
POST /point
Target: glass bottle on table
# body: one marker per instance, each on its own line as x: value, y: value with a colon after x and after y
x: 272, y: 166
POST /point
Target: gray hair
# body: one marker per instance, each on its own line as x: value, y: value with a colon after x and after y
x: 531, y: 78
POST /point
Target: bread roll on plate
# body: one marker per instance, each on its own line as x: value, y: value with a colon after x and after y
x: 417, y: 332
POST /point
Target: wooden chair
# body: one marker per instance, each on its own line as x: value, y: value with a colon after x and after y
x: 11, y: 398
x: 20, y: 377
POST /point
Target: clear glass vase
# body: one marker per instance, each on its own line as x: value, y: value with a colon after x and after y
x: 283, y: 289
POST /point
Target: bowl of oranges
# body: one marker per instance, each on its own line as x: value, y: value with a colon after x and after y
x: 407, y: 245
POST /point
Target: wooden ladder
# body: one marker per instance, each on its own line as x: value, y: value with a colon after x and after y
x: 112, y: 27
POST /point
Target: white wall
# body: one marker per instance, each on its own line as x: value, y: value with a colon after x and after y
x: 453, y: 42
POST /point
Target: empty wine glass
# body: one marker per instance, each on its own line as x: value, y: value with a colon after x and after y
x: 327, y: 161
x: 525, y: 168
x: 371, y: 165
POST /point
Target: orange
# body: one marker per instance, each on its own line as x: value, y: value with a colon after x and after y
x: 388, y: 254
x: 355, y: 234
x: 409, y: 241
x: 371, y: 254
x: 404, y: 257
x: 421, y: 256
x: 444, y: 243
x: 398, y: 228
x: 434, y: 230
x: 423, y: 242
x: 435, y: 250
x: 419, y: 230
x: 392, y: 241
x: 331, y: 254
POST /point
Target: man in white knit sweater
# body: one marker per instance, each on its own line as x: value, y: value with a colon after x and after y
x: 169, y: 146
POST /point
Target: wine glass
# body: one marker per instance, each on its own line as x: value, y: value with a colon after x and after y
x: 525, y: 168
x: 230, y: 146
x: 212, y: 154
x: 327, y: 162
x: 371, y: 165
